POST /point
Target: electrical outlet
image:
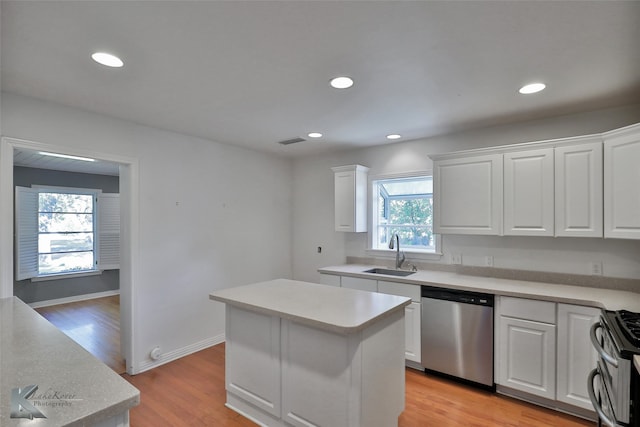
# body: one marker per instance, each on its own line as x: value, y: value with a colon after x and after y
x: 488, y: 261
x: 456, y: 259
x: 596, y: 268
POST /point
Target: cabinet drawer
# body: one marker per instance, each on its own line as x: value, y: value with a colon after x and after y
x: 400, y: 289
x: 528, y: 309
x: 358, y: 283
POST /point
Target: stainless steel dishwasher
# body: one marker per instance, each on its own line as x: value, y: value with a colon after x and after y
x: 457, y: 334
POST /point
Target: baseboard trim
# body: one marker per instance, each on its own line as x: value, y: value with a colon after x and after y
x: 178, y: 353
x: 76, y: 298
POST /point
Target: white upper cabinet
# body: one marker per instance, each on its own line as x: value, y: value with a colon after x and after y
x: 578, y: 189
x: 622, y: 183
x: 350, y: 184
x: 528, y: 193
x: 468, y: 195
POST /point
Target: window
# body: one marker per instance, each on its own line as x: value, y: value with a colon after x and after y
x: 66, y: 232
x: 403, y: 206
x: 61, y: 231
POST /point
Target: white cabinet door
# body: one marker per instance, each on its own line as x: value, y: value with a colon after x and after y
x: 468, y: 195
x: 578, y: 195
x: 360, y: 284
x: 350, y: 186
x: 252, y: 355
x: 527, y: 356
x: 330, y: 279
x: 576, y: 355
x: 412, y: 316
x: 528, y: 193
x: 622, y: 183
x: 412, y: 347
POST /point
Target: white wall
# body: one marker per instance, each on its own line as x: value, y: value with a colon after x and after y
x: 313, y: 203
x: 211, y: 216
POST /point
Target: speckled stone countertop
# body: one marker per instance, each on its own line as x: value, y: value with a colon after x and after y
x: 74, y: 388
x: 570, y: 294
x: 323, y: 307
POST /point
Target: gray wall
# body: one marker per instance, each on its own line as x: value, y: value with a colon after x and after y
x: 31, y: 292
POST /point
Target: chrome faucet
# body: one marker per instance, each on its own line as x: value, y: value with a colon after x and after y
x: 397, y: 246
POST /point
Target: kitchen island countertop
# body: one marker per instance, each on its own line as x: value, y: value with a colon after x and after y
x: 73, y: 387
x: 570, y: 294
x: 324, y: 307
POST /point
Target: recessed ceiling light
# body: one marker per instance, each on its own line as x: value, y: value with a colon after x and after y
x: 394, y: 136
x: 341, y: 82
x: 107, y: 59
x: 66, y: 156
x: 314, y: 135
x: 532, y: 88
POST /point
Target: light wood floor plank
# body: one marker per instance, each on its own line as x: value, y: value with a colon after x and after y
x: 190, y: 392
x: 94, y: 324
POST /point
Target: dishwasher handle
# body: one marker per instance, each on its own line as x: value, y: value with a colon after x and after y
x: 453, y: 295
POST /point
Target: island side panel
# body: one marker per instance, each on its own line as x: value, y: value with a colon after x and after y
x: 383, y: 371
x: 316, y: 376
x: 252, y: 360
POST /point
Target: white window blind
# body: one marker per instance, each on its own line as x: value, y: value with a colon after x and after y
x: 108, y: 231
x: 26, y: 242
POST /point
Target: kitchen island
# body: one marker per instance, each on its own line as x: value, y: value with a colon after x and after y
x: 303, y: 354
x: 48, y: 377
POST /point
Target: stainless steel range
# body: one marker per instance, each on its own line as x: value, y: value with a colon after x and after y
x: 613, y: 385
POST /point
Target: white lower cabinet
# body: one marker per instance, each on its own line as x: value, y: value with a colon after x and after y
x: 358, y: 283
x: 576, y: 356
x: 528, y: 356
x: 412, y: 316
x: 544, y: 349
x: 330, y: 279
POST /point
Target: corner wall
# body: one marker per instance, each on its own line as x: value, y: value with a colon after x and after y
x: 211, y: 216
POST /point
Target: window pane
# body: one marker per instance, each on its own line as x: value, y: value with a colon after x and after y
x: 65, y: 239
x: 405, y: 208
x: 63, y: 202
x: 65, y: 242
x: 65, y: 222
x: 408, y: 186
x: 65, y: 263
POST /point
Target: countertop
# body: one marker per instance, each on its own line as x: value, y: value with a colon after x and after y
x: 324, y: 307
x: 74, y: 388
x: 593, y: 297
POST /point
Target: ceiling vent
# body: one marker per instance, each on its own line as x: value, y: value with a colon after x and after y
x: 291, y: 141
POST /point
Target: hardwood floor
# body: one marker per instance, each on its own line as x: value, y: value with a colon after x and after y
x: 190, y: 392
x: 94, y: 324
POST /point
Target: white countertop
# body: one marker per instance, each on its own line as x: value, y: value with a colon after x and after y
x: 593, y: 297
x: 74, y: 388
x: 324, y: 307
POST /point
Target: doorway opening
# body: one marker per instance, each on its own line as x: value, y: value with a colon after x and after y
x: 128, y: 178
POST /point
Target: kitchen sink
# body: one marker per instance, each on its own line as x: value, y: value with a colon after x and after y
x: 390, y: 272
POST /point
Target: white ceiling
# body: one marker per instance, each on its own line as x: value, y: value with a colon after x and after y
x: 254, y: 73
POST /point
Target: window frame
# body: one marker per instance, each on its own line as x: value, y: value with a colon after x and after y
x: 414, y: 254
x: 95, y: 193
x: 106, y: 232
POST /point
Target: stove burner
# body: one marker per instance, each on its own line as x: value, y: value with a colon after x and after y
x: 630, y: 324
